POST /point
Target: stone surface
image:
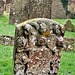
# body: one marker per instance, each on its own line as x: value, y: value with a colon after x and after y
x: 69, y: 26
x: 71, y: 9
x: 1, y: 7
x: 22, y: 10
x: 18, y: 11
x: 8, y: 1
x: 57, y: 10
x: 68, y: 44
x: 6, y: 40
x: 71, y: 6
x: 37, y: 47
x: 8, y: 8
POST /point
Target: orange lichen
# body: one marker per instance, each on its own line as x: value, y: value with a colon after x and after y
x: 46, y: 34
x: 37, y: 49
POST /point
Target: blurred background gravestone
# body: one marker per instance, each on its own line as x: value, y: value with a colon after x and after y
x: 22, y: 10
x: 37, y: 48
x: 27, y: 9
x: 69, y: 26
x: 68, y: 44
x: 8, y: 4
x: 1, y: 7
x: 71, y: 9
x: 57, y: 10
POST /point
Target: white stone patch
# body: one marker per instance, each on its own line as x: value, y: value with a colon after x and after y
x: 54, y: 48
x: 41, y: 49
x: 13, y: 13
x: 36, y: 58
x: 48, y: 40
x: 31, y: 61
x: 24, y: 57
x: 60, y: 38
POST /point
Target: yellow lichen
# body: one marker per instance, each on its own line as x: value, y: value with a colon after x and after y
x: 29, y: 20
x: 35, y: 18
x: 60, y: 25
x: 46, y: 34
x: 46, y: 18
x: 37, y: 49
x: 23, y: 24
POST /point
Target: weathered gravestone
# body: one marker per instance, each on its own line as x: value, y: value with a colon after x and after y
x: 57, y: 10
x: 1, y: 7
x: 6, y: 40
x: 8, y: 1
x: 8, y: 8
x: 68, y: 44
x: 22, y: 10
x: 37, y: 48
x: 69, y: 26
x: 8, y: 4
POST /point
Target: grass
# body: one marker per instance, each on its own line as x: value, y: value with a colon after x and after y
x: 6, y: 52
x: 67, y: 63
x: 5, y: 27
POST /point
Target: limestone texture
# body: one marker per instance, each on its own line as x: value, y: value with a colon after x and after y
x: 22, y: 10
x: 37, y: 47
x: 57, y: 10
x: 68, y: 44
x: 6, y: 40
x: 69, y: 26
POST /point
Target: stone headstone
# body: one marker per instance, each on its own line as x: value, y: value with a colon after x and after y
x: 68, y: 44
x: 37, y: 48
x: 1, y: 7
x: 6, y: 40
x: 57, y: 10
x: 8, y: 8
x: 8, y: 1
x: 22, y: 10
x: 69, y: 26
x: 71, y: 9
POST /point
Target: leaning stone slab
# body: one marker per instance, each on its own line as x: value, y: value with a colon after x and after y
x: 37, y: 47
x: 68, y: 44
x: 6, y: 40
x: 8, y: 8
x: 69, y: 26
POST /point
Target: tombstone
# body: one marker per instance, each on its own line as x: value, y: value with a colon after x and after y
x: 8, y: 8
x: 6, y: 40
x: 57, y: 10
x: 22, y: 10
x: 8, y: 1
x: 1, y: 7
x: 69, y: 26
x: 37, y: 48
x: 68, y: 44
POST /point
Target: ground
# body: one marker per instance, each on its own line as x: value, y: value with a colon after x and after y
x: 6, y: 52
